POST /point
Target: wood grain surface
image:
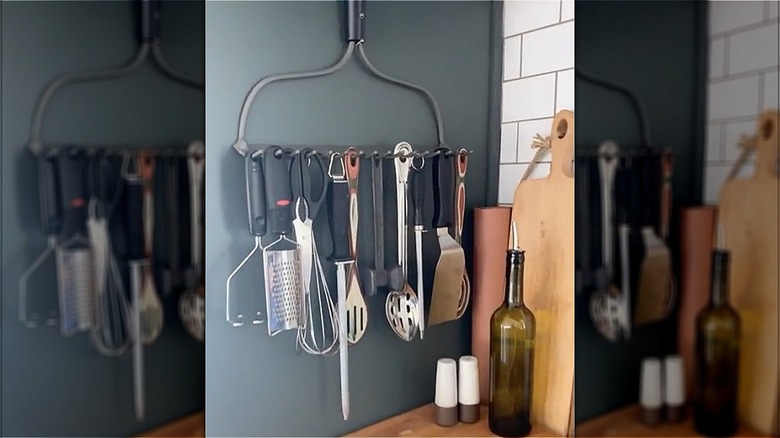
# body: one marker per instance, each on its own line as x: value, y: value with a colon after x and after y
x: 748, y: 213
x: 543, y: 210
x: 625, y: 422
x: 191, y: 426
x: 420, y: 422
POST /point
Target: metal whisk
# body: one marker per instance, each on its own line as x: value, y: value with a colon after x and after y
x: 318, y: 333
x: 110, y: 334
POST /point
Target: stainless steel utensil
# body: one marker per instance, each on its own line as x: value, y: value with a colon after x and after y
x: 75, y: 269
x: 357, y: 313
x: 452, y: 262
x: 418, y: 199
x: 605, y: 303
x: 402, y: 305
x: 282, y: 258
x: 110, y: 335
x: 324, y: 339
x: 192, y: 304
x: 51, y: 223
x: 134, y: 194
x: 338, y: 215
x: 151, y: 306
x: 461, y: 165
x: 255, y: 202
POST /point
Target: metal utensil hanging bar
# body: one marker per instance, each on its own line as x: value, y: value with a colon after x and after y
x: 389, y: 155
x: 115, y: 150
x: 355, y: 14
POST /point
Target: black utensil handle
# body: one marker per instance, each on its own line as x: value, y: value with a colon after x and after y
x: 418, y: 196
x: 74, y: 201
x: 134, y: 212
x: 278, y: 192
x: 172, y: 224
x: 379, y: 212
x: 51, y: 211
x: 338, y: 213
x: 443, y: 188
x: 255, y: 193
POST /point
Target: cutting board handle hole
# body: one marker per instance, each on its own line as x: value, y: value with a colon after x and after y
x: 562, y: 128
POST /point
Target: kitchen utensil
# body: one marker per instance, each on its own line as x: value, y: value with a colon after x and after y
x: 461, y: 164
x: 324, y: 340
x: 377, y: 276
x: 418, y: 200
x: 605, y: 303
x: 139, y: 380
x: 543, y: 214
x: 650, y: 392
x: 468, y: 389
x: 110, y: 335
x: 697, y: 231
x: 75, y: 269
x: 151, y: 307
x: 490, y: 243
x: 192, y: 304
x: 674, y: 388
x: 653, y: 304
x: 624, y: 232
x: 667, y: 168
x: 749, y: 218
x: 338, y: 214
x: 255, y: 202
x: 172, y: 275
x: 282, y: 258
x: 446, y: 397
x: 357, y: 313
x: 401, y: 305
x: 452, y: 262
x: 51, y: 223
x: 134, y: 212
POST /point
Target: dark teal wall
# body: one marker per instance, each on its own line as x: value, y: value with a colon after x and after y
x: 256, y: 385
x: 53, y: 386
x: 656, y: 49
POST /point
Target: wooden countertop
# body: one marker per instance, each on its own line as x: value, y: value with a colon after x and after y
x: 420, y: 422
x: 191, y: 426
x: 625, y: 422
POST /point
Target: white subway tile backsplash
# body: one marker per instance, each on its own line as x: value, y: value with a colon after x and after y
x: 524, y: 15
x: 530, y: 98
x: 729, y: 15
x: 715, y: 176
x: 713, y: 149
x: 771, y: 98
x: 733, y: 98
x: 567, y: 10
x: 773, y: 7
x: 509, y: 177
x: 717, y: 52
x: 754, y: 49
x: 564, y: 98
x: 549, y: 49
x: 508, y: 153
x: 512, y: 52
x: 733, y: 132
x: 525, y: 137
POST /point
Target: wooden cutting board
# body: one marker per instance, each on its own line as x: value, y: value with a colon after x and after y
x: 543, y: 210
x: 749, y: 217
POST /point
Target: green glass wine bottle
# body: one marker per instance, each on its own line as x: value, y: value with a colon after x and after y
x: 717, y: 357
x: 512, y: 331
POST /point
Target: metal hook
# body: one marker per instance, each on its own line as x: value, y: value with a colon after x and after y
x: 422, y: 162
x: 336, y: 157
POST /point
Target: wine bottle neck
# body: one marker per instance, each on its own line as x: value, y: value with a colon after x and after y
x: 720, y: 278
x: 514, y: 278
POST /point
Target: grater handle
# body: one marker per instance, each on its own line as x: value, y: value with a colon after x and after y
x: 276, y: 166
x: 418, y: 196
x: 338, y: 213
x: 134, y: 192
x: 443, y: 186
